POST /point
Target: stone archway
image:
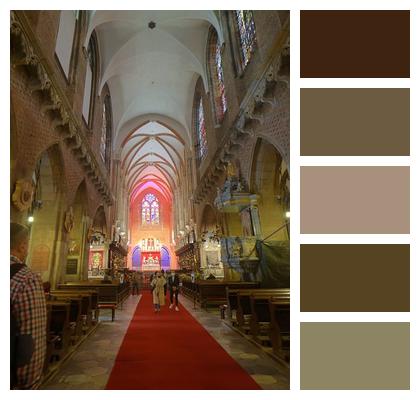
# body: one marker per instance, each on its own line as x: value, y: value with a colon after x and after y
x: 77, y: 223
x: 45, y: 213
x: 270, y: 180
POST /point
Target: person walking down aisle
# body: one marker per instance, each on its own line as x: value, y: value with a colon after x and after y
x: 152, y: 277
x: 28, y: 320
x: 173, y: 284
x: 158, y: 285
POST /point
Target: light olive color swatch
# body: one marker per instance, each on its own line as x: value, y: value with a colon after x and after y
x: 355, y: 355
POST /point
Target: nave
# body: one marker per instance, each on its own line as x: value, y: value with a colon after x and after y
x: 150, y: 147
x: 192, y: 349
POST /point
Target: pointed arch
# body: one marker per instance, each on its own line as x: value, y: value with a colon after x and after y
x: 216, y: 77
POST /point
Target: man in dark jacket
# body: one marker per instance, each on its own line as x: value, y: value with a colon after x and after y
x: 173, y: 285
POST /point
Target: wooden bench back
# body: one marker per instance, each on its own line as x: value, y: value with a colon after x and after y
x: 244, y: 297
x: 107, y: 293
x: 92, y: 293
x: 84, y: 297
x: 59, y: 317
x: 260, y: 303
x: 280, y: 313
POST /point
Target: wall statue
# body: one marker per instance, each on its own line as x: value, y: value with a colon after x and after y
x: 23, y: 195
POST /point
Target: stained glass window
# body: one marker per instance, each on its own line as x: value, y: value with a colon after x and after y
x: 201, y: 131
x: 150, y: 210
x: 247, y: 35
x: 216, y: 69
x: 103, y: 133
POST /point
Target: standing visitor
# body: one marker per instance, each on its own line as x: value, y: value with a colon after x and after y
x: 134, y: 283
x: 152, y: 277
x: 28, y: 320
x: 173, y: 283
x: 158, y: 284
x: 165, y: 288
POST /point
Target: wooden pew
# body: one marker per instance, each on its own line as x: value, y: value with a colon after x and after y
x: 123, y: 293
x: 86, y: 310
x: 110, y: 295
x: 213, y: 292
x: 260, y: 312
x: 189, y: 289
x: 244, y: 311
x: 94, y: 300
x: 58, y: 325
x: 232, y: 300
x: 280, y: 326
x: 75, y: 318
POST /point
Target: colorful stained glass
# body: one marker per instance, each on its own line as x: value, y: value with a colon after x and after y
x: 154, y: 212
x: 201, y: 131
x: 220, y: 96
x: 150, y: 209
x: 247, y: 35
x: 103, y: 133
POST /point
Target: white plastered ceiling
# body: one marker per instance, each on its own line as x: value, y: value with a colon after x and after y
x: 151, y: 74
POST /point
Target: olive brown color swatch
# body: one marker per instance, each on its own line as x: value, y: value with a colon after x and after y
x: 355, y: 44
x: 355, y: 122
x: 355, y: 277
x: 355, y: 355
x: 355, y: 200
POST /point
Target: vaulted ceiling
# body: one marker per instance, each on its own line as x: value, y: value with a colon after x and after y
x: 150, y: 61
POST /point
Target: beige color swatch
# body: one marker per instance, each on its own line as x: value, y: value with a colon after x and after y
x: 355, y: 355
x: 355, y: 200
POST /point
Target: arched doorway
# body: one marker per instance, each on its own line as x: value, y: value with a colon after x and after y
x: 270, y: 180
x: 136, y: 258
x: 165, y: 258
x: 98, y: 246
x: 77, y: 257
x: 44, y: 216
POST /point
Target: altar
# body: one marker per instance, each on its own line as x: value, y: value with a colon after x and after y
x: 150, y: 261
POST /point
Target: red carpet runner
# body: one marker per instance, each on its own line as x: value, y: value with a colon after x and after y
x: 171, y: 350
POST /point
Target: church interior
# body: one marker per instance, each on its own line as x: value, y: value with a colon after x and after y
x: 144, y: 143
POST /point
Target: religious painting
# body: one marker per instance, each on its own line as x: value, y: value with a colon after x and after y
x: 96, y: 259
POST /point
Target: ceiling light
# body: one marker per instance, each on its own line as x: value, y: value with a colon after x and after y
x: 287, y: 214
x: 30, y: 219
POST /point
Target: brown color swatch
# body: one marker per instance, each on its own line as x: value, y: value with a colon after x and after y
x: 355, y: 122
x: 355, y: 355
x: 355, y: 199
x: 355, y: 44
x: 355, y: 277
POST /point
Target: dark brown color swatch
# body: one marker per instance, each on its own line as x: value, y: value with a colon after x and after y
x: 355, y: 122
x: 355, y: 44
x: 355, y: 277
x: 355, y: 355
